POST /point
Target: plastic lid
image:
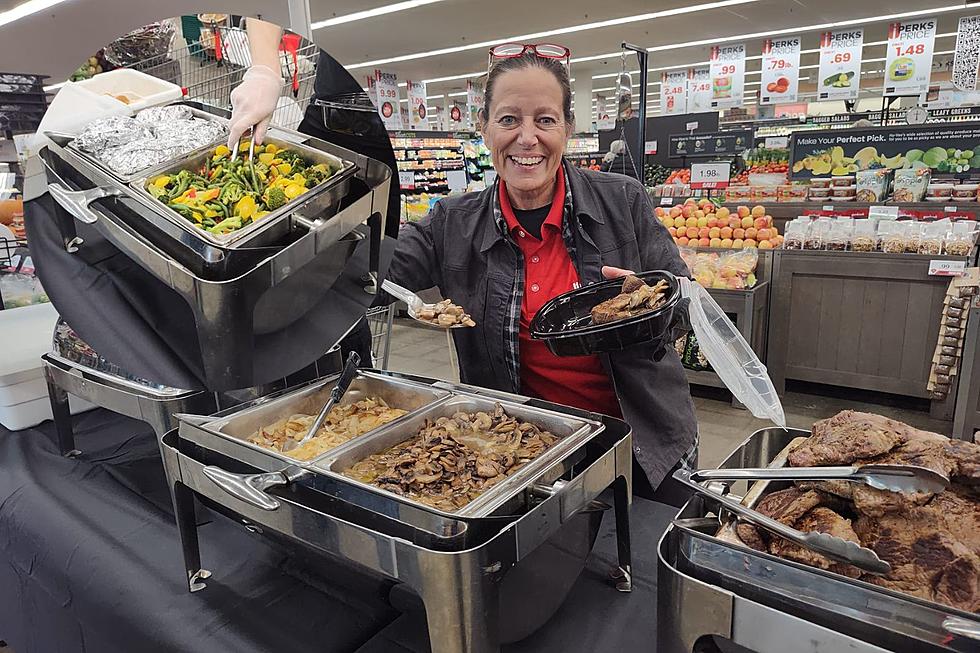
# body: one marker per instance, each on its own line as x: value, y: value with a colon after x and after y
x: 730, y: 355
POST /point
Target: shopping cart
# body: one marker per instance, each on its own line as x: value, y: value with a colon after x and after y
x: 379, y: 321
x: 210, y: 67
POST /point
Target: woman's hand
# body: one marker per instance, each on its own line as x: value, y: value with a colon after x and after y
x: 253, y: 102
x: 610, y: 272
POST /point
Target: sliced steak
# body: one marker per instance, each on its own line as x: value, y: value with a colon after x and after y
x: 847, y: 437
x: 820, y: 520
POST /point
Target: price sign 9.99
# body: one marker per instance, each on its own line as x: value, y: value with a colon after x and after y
x: 386, y: 87
x: 727, y: 75
x: 710, y: 175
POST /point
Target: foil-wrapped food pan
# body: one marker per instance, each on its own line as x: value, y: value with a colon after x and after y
x: 141, y: 154
x: 189, y: 134
x: 112, y: 131
x: 161, y: 115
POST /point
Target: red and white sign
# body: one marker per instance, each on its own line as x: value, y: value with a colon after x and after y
x: 710, y: 175
x: 474, y: 103
x: 418, y: 117
x: 406, y: 179
x: 456, y: 114
x: 908, y: 63
x: 780, y: 70
x: 839, y: 74
x: 727, y: 75
x: 940, y: 268
x: 673, y: 92
x: 386, y: 87
x: 605, y: 114
x: 699, y: 89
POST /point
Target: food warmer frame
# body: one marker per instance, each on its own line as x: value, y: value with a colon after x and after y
x: 234, y: 294
x: 709, y: 588
x: 460, y: 566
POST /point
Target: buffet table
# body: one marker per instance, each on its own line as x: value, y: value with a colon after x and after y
x: 91, y: 562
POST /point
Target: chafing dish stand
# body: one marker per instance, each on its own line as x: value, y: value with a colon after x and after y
x: 459, y: 567
x: 709, y: 589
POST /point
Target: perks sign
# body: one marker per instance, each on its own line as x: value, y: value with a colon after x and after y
x: 839, y: 76
x: 780, y: 71
x: 699, y: 89
x: 908, y: 63
x: 673, y: 92
x: 386, y: 87
x: 417, y: 114
x: 727, y: 75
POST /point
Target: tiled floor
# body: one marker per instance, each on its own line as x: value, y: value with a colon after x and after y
x: 425, y: 351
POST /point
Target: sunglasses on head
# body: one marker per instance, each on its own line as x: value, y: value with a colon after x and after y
x: 543, y: 50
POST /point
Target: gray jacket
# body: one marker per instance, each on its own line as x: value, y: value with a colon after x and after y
x: 463, y: 248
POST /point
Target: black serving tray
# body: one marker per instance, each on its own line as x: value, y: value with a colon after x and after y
x: 565, y: 323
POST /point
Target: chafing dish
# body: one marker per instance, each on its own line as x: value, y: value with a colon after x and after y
x: 711, y: 588
x: 459, y: 565
x: 236, y: 295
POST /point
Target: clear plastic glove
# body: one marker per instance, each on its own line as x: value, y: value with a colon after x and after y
x: 609, y: 272
x: 253, y: 102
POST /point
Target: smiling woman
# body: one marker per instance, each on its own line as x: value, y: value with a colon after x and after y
x: 543, y: 229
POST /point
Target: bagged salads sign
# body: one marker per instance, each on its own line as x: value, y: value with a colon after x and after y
x: 908, y: 63
x: 944, y: 149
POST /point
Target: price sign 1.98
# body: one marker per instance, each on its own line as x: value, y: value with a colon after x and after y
x: 710, y: 175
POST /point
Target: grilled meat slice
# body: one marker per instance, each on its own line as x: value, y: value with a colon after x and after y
x: 821, y: 520
x: 847, y: 437
x: 636, y: 298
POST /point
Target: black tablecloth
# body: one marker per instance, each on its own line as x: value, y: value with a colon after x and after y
x: 90, y: 561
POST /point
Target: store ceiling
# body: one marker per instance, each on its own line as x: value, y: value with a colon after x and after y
x: 463, y: 22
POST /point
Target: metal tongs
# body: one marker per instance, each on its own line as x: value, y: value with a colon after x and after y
x: 907, y: 479
x: 251, y: 145
x: 339, y: 390
x: 828, y: 545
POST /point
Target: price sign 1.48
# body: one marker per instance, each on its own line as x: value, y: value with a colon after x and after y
x: 710, y: 175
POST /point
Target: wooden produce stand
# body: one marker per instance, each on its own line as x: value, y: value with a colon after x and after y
x: 859, y: 320
x: 966, y: 418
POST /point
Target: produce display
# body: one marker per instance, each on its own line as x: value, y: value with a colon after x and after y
x: 703, y: 224
x: 453, y: 460
x: 679, y: 176
x: 636, y: 298
x: 223, y: 196
x: 446, y: 314
x: 932, y: 541
x: 766, y: 160
x: 655, y: 175
x: 723, y: 271
x: 343, y: 423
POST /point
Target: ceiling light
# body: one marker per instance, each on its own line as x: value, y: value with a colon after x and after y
x: 555, y: 32
x: 371, y: 13
x: 25, y: 9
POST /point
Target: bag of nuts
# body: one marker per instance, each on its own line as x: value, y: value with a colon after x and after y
x: 863, y: 236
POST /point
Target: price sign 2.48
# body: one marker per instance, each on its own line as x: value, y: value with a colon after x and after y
x: 710, y: 175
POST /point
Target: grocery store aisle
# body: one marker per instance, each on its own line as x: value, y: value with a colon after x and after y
x: 424, y: 351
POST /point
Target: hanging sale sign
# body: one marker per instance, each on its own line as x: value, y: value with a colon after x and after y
x: 474, y: 103
x: 727, y: 75
x: 839, y: 74
x: 699, y: 89
x: 673, y: 92
x: 780, y: 70
x: 386, y: 88
x: 418, y: 117
x: 605, y: 114
x: 456, y: 114
x: 908, y: 63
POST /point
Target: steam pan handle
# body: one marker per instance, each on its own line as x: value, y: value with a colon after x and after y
x: 249, y: 488
x: 963, y: 627
x: 77, y: 202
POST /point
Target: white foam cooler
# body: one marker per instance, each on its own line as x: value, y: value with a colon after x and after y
x: 25, y: 334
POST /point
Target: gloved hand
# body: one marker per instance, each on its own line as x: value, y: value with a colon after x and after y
x: 253, y: 102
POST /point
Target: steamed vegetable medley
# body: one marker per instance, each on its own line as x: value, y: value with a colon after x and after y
x: 224, y: 195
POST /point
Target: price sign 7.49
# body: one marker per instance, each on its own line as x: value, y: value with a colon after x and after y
x: 710, y: 175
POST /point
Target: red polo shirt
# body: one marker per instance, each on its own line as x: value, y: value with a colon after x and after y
x: 578, y: 381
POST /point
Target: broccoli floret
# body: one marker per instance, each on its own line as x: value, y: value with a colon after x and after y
x: 231, y: 193
x: 275, y: 198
